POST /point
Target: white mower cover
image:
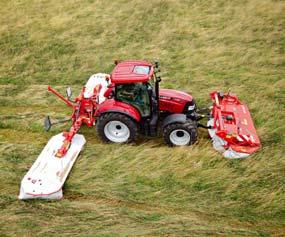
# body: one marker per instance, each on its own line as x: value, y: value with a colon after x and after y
x: 219, y: 143
x: 94, y: 80
x: 48, y: 174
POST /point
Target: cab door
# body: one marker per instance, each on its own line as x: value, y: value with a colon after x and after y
x: 135, y: 94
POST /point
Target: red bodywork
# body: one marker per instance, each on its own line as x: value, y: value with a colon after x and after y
x: 234, y: 124
x: 112, y: 105
x: 124, y: 72
x: 173, y: 101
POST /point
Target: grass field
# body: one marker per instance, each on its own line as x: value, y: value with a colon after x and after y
x: 146, y: 189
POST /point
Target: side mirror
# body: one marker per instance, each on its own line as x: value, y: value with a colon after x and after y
x: 47, y: 123
x: 156, y: 64
x: 68, y: 92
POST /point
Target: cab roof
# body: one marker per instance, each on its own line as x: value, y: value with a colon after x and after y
x: 132, y: 72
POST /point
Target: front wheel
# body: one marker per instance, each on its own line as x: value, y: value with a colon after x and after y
x: 118, y: 128
x: 180, y: 134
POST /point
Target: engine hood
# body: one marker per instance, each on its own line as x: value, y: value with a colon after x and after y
x: 170, y: 94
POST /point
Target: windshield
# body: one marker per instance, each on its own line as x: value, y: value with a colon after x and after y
x: 142, y: 69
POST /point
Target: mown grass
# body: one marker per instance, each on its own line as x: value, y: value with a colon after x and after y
x: 146, y: 189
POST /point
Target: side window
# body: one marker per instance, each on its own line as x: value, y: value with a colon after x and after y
x: 135, y: 94
x: 125, y: 92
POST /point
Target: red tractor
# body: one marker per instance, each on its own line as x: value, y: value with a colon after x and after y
x: 132, y: 104
x: 136, y: 105
x: 129, y: 102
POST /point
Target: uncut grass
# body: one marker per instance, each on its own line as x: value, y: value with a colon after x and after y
x: 144, y: 189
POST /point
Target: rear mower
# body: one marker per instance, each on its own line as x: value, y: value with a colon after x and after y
x: 129, y: 102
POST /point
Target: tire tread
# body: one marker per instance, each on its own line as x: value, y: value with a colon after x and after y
x: 190, y: 126
x: 105, y: 118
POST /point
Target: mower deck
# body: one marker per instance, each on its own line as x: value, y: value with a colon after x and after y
x: 233, y: 131
x: 48, y: 174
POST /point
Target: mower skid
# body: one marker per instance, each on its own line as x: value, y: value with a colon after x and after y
x: 48, y: 173
x: 233, y: 131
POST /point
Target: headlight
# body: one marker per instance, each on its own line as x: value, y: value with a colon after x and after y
x: 191, y: 107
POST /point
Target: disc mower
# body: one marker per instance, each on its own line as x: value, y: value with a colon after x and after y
x: 127, y: 103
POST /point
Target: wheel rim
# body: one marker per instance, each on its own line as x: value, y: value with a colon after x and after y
x: 117, y: 131
x: 180, y: 137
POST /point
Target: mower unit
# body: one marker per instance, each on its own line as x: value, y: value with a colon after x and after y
x: 232, y: 129
x: 129, y: 102
x: 48, y: 174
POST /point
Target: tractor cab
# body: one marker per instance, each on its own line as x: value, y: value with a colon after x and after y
x: 136, y: 94
x: 131, y: 80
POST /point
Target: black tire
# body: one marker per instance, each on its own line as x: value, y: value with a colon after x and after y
x: 127, y: 121
x: 189, y: 127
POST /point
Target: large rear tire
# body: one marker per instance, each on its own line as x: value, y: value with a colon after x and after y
x: 117, y: 128
x: 180, y: 134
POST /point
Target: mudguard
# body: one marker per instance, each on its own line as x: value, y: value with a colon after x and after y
x: 233, y: 131
x: 174, y: 118
x: 113, y: 106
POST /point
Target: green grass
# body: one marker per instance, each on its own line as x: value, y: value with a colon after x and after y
x: 145, y: 189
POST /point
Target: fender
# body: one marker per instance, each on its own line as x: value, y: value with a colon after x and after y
x: 174, y: 118
x: 112, y: 105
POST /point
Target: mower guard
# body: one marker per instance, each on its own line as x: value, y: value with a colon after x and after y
x: 48, y: 173
x: 232, y: 129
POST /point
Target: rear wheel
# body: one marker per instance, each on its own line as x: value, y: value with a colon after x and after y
x: 118, y: 128
x: 180, y: 134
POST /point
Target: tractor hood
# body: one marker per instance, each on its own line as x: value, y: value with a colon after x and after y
x: 174, y: 94
x: 173, y: 101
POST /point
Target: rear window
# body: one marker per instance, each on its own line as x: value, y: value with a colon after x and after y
x: 142, y: 69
